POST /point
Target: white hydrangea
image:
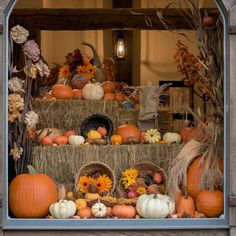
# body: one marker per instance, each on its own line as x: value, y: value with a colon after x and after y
x: 43, y: 68
x: 16, y: 85
x: 31, y: 119
x: 19, y: 34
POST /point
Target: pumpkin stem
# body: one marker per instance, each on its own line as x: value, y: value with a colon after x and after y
x: 185, y: 192
x: 155, y: 196
x: 31, y: 170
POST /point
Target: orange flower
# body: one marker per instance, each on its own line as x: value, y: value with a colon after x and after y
x: 103, y: 183
x: 64, y: 71
x: 84, y: 183
x: 87, y: 69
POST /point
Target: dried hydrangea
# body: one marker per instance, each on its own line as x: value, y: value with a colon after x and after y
x: 15, y: 105
x: 16, y: 85
x: 43, y: 69
x: 16, y: 152
x: 31, y: 50
x: 19, y: 34
x: 31, y: 119
x: 31, y: 71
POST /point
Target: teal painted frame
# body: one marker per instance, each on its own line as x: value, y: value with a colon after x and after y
x: 111, y: 224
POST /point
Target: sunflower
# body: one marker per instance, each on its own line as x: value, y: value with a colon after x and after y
x: 84, y: 182
x: 103, y: 183
x: 130, y: 173
x: 141, y: 190
x: 87, y: 69
x: 64, y: 71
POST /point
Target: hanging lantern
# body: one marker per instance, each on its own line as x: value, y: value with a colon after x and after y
x: 120, y: 46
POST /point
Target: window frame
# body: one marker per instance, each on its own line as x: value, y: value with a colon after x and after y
x: 112, y: 224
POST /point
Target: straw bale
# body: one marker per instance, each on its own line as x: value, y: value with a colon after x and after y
x: 63, y: 162
x: 69, y: 114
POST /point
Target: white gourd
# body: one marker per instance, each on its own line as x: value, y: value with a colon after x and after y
x: 93, y: 92
x: 99, y: 209
x: 172, y: 137
x: 62, y: 209
x: 76, y: 139
x: 155, y: 206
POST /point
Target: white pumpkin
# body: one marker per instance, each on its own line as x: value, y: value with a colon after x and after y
x: 99, y: 210
x: 93, y: 91
x: 76, y: 139
x: 155, y: 206
x: 152, y: 136
x: 62, y: 209
x: 172, y: 137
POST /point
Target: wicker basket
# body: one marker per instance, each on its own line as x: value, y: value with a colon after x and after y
x: 96, y: 166
x: 142, y: 167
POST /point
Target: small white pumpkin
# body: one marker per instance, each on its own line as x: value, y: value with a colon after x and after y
x: 99, y: 210
x: 76, y: 139
x: 93, y: 92
x: 172, y: 137
x: 152, y: 136
x: 62, y: 209
x: 155, y: 206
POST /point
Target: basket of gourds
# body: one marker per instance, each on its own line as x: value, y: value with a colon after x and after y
x: 142, y: 178
x: 95, y: 177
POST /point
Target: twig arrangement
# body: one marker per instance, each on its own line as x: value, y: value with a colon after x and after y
x: 21, y: 117
x: 206, y: 73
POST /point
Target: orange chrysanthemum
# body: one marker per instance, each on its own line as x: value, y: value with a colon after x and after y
x: 64, y: 71
x: 84, y: 182
x: 103, y: 183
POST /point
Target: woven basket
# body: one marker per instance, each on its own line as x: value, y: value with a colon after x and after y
x: 144, y: 166
x: 94, y: 166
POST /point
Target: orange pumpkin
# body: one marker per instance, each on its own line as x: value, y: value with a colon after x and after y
x: 77, y: 94
x: 30, y: 195
x: 116, y: 139
x: 109, y: 96
x: 188, y: 133
x: 69, y: 133
x: 210, y: 203
x: 60, y: 140
x: 194, y: 176
x: 185, y: 205
x: 123, y: 211
x: 108, y: 87
x: 120, y: 97
x: 61, y: 91
x: 178, y: 195
x: 102, y: 131
x: 85, y: 213
x: 208, y: 21
x: 128, y: 130
x: 46, y: 140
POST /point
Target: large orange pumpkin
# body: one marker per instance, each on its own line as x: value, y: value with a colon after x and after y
x: 194, y: 175
x: 210, y: 203
x: 30, y: 195
x: 127, y: 131
x: 61, y: 91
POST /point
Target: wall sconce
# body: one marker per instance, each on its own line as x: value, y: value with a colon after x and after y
x: 120, y: 46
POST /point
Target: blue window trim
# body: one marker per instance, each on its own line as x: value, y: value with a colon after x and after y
x: 111, y: 224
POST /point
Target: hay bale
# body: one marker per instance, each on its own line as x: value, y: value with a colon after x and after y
x: 63, y: 162
x: 69, y: 114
